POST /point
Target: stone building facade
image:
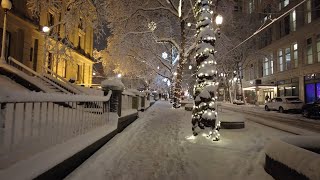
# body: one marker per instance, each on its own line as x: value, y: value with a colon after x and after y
x: 290, y: 65
x: 26, y: 43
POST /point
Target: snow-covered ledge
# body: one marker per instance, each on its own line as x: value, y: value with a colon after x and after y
x: 294, y: 157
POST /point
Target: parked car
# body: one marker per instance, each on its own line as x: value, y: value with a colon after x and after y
x: 238, y: 102
x: 311, y: 109
x: 283, y: 104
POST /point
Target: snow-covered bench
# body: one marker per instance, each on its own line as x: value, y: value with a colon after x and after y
x: 296, y: 157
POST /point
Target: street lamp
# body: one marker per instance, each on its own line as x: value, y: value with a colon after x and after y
x: 119, y: 75
x: 6, y: 5
x: 45, y: 30
x: 164, y: 55
x: 219, y: 20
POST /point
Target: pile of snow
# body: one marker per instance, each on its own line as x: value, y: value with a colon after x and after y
x: 113, y: 83
x: 290, y: 152
x: 127, y: 92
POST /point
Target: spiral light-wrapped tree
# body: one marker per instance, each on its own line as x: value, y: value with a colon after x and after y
x: 204, y: 114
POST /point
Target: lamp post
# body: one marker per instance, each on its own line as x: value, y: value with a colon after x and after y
x: 45, y: 30
x: 6, y: 5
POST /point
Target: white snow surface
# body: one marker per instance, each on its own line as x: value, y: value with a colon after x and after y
x: 303, y: 161
x: 113, y: 82
x: 160, y: 145
x: 32, y: 167
x: 8, y: 86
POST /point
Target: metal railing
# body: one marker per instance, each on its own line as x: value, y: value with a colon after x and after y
x: 52, y: 75
x: 33, y: 122
x: 29, y: 71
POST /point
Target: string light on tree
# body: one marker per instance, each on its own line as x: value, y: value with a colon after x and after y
x: 204, y: 114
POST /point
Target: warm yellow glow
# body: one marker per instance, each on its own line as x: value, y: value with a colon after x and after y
x: 45, y: 29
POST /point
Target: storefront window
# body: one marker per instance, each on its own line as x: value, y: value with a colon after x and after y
x: 318, y: 47
x: 318, y: 90
x: 281, y: 91
x: 310, y: 93
x: 288, y: 91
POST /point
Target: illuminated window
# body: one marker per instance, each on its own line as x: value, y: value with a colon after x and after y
x: 268, y: 66
x: 285, y: 3
x: 280, y: 58
x: 295, y: 54
x: 293, y: 20
x: 288, y: 59
x: 308, y: 12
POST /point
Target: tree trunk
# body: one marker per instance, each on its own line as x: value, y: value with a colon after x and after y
x: 177, y: 89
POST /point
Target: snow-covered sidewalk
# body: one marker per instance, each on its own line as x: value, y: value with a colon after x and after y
x: 159, y: 145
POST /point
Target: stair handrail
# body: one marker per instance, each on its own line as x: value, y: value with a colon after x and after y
x: 75, y: 89
x: 11, y: 59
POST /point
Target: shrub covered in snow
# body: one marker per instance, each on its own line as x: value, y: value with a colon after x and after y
x: 113, y: 84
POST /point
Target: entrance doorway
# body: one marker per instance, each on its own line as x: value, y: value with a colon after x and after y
x: 268, y: 92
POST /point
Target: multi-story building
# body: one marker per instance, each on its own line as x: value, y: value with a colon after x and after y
x: 290, y: 65
x: 27, y: 43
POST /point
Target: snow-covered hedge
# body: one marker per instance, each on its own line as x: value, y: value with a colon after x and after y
x: 113, y: 83
x: 299, y: 153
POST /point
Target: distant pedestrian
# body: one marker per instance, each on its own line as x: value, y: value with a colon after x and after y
x: 266, y: 98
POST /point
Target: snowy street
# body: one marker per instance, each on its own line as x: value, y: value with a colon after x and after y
x: 159, y: 145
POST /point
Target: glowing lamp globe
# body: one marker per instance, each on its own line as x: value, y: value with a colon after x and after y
x: 45, y: 29
x: 219, y: 20
x: 6, y: 4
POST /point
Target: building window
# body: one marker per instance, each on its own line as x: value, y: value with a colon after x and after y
x: 78, y: 73
x: 31, y: 54
x: 295, y: 54
x: 268, y: 66
x: 49, y: 63
x: 280, y: 58
x: 308, y: 12
x: 316, y: 9
x: 283, y: 3
x: 288, y: 59
x: 251, y: 72
x: 309, y: 51
x: 286, y: 25
x: 293, y: 21
x: 318, y: 47
x: 64, y: 68
x: 251, y: 6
